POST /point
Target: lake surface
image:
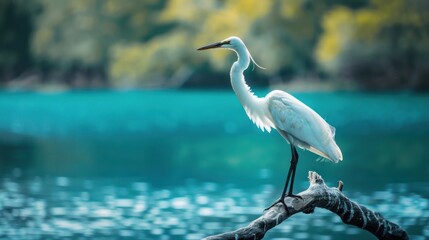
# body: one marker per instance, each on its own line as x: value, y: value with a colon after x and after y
x: 187, y: 164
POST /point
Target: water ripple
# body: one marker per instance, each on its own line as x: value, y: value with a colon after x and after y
x: 62, y: 207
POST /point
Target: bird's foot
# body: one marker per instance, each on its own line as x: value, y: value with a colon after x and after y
x: 294, y: 196
x: 282, y: 201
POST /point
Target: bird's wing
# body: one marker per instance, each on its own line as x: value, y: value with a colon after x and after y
x: 299, y: 124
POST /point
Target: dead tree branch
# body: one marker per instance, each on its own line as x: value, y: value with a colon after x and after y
x: 319, y: 195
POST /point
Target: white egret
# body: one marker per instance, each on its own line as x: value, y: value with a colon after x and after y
x: 297, y: 123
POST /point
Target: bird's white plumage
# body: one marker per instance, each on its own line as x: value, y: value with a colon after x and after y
x: 302, y: 126
x: 256, y: 108
x: 296, y: 122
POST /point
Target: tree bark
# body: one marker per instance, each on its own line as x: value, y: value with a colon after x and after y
x: 319, y: 195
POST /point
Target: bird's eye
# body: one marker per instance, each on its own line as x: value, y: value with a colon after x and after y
x: 227, y: 42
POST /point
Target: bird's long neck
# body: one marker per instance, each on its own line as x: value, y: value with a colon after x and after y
x: 255, y: 107
x: 241, y: 89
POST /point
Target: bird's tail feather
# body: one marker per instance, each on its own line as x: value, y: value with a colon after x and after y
x: 333, y: 153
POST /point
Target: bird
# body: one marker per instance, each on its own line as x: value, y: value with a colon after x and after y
x: 297, y: 123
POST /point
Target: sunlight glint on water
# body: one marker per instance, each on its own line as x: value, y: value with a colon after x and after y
x: 175, y: 213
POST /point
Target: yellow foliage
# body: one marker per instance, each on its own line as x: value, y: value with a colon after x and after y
x: 124, y: 61
x: 138, y: 40
x: 368, y: 23
x: 80, y: 5
x: 381, y: 29
x: 343, y: 26
x: 338, y: 27
x: 290, y: 8
x: 136, y: 63
x: 112, y: 7
x: 185, y: 10
x: 210, y: 20
x: 117, y: 8
x: 249, y: 9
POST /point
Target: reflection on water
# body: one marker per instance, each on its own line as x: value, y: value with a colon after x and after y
x: 184, y: 165
x: 60, y: 207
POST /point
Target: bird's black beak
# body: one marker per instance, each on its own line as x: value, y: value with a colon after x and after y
x: 213, y: 45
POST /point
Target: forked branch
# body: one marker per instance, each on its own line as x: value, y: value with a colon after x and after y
x: 319, y: 195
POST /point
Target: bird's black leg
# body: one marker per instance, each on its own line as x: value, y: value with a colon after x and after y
x: 294, y: 164
x: 282, y: 197
x: 290, y: 174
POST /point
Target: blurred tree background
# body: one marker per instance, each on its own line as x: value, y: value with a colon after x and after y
x: 359, y: 44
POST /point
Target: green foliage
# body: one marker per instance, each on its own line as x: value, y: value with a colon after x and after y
x: 284, y: 27
x: 15, y: 29
x: 82, y: 31
x: 152, y: 43
x: 147, y: 65
x: 168, y: 58
x: 382, y: 46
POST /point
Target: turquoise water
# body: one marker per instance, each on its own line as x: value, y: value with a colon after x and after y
x: 186, y: 164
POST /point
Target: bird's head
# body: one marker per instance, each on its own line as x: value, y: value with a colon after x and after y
x: 232, y: 43
x: 229, y: 43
